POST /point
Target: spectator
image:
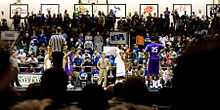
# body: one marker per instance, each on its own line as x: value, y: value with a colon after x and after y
x: 16, y: 21
x: 93, y: 97
x: 8, y: 96
x: 53, y: 85
x: 136, y: 89
x: 98, y: 42
x: 21, y: 56
x: 197, y: 61
x: 32, y: 60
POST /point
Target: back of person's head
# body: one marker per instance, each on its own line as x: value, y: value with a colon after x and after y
x: 119, y: 90
x: 57, y: 59
x: 59, y: 29
x: 6, y: 75
x: 196, y: 75
x: 127, y: 106
x: 135, y: 90
x: 32, y: 105
x: 93, y: 98
x: 54, y: 83
x: 33, y: 91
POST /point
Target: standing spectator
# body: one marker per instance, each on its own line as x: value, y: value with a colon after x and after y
x: 167, y: 18
x: 2, y: 16
x: 4, y: 25
x: 98, y: 42
x: 88, y: 43
x: 16, y: 21
x: 57, y: 41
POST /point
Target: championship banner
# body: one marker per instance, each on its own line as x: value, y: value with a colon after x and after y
x: 118, y: 38
x: 26, y: 79
x: 9, y: 35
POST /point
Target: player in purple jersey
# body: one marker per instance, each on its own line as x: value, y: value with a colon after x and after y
x: 153, y: 50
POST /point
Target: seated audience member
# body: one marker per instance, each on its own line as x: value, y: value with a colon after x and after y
x: 93, y: 98
x: 8, y: 96
x: 77, y: 61
x: 190, y: 76
x: 21, y: 56
x: 32, y: 60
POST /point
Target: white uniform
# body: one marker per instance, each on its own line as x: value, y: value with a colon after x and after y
x: 120, y: 66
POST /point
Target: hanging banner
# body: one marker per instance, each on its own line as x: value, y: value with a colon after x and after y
x: 9, y: 35
x: 118, y: 38
x: 26, y: 79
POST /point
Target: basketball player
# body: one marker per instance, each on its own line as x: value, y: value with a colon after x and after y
x: 47, y: 59
x: 153, y: 50
x: 103, y: 66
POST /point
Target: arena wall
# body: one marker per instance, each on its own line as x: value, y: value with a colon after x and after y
x: 132, y: 5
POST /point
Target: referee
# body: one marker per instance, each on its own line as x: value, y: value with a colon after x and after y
x: 57, y: 41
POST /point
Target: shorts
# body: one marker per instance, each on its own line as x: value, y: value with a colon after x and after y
x: 153, y: 67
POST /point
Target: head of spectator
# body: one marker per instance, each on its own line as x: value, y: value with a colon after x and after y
x: 93, y: 98
x: 135, y: 90
x: 54, y: 84
x: 32, y: 105
x: 59, y: 30
x: 198, y: 61
x: 128, y: 106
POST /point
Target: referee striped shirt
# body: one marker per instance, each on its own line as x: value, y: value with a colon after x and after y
x: 57, y: 42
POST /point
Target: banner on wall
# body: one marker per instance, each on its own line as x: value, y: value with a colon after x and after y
x: 27, y: 79
x: 146, y: 9
x: 22, y: 10
x: 53, y: 8
x: 118, y: 9
x: 9, y: 35
x: 181, y: 8
x: 100, y: 7
x: 83, y: 8
x: 118, y: 38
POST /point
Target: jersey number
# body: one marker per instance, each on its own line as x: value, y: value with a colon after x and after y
x: 154, y: 50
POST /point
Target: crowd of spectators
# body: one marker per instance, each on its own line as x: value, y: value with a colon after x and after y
x: 35, y: 33
x: 85, y: 35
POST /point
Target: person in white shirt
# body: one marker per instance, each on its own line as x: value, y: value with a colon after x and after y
x: 98, y: 42
x: 120, y: 67
x: 88, y: 37
x: 21, y: 56
x: 15, y: 68
x: 32, y: 60
x: 47, y: 59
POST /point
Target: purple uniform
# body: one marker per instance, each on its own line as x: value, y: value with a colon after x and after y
x: 154, y: 58
x: 69, y: 64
